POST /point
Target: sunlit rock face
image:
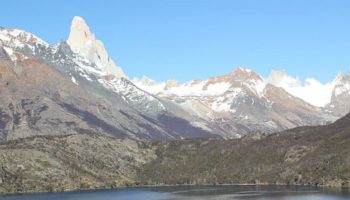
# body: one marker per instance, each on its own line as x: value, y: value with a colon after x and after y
x: 83, y: 42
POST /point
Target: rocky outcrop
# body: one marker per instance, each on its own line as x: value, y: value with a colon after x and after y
x: 84, y: 43
x: 339, y: 104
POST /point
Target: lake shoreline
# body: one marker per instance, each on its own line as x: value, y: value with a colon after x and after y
x: 171, y: 185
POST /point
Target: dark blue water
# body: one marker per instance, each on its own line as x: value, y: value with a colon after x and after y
x: 197, y: 193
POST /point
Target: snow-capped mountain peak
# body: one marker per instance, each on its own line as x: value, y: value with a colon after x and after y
x: 15, y: 41
x: 243, y: 80
x: 217, y: 93
x: 342, y: 84
x: 16, y: 38
x: 83, y: 42
x: 242, y: 74
x: 212, y: 86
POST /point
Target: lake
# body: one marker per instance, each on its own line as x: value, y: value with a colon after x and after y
x: 197, y: 193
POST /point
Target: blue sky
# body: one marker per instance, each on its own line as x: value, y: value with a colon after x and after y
x: 191, y: 39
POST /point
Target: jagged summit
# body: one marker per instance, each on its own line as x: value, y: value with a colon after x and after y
x: 82, y: 41
x: 238, y: 74
x: 242, y: 70
x: 212, y: 86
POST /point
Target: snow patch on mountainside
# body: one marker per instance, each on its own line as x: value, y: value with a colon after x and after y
x: 192, y: 88
x: 197, y: 89
x: 341, y: 89
x: 74, y: 81
x: 10, y: 53
x: 197, y: 108
x: 223, y: 103
x: 132, y: 94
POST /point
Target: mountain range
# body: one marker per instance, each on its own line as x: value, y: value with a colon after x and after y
x: 75, y: 87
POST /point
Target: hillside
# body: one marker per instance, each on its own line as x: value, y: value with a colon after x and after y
x: 306, y: 155
x: 62, y: 163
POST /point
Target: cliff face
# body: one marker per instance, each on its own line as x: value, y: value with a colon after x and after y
x: 83, y: 42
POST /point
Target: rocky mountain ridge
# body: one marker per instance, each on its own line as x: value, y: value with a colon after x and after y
x: 242, y: 99
x: 50, y: 90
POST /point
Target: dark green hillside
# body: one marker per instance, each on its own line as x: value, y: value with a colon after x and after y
x: 306, y: 155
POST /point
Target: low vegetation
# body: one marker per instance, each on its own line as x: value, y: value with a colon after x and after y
x: 307, y: 155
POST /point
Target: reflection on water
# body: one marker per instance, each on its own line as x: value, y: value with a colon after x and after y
x: 198, y: 193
